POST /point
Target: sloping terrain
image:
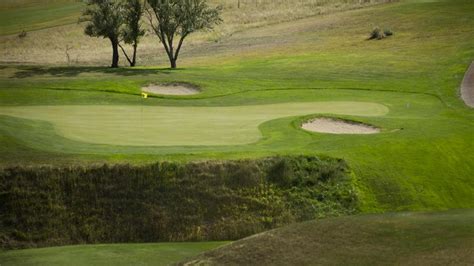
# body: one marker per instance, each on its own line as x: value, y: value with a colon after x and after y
x: 276, y: 59
x: 444, y: 238
x: 198, y: 201
x: 52, y: 30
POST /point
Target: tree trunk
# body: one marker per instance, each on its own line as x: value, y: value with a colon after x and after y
x: 171, y: 55
x: 172, y: 59
x: 134, y: 58
x: 173, y: 63
x: 115, y: 54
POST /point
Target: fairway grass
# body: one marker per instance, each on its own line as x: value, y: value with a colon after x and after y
x: 116, y: 254
x: 175, y: 126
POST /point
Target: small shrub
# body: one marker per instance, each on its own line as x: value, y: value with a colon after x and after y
x: 378, y: 34
x: 281, y: 173
x: 388, y: 32
x: 22, y: 34
x: 243, y: 175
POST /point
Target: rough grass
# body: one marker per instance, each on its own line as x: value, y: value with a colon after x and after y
x: 117, y: 254
x: 199, y: 201
x: 392, y: 239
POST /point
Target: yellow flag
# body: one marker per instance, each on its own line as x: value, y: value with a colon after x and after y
x: 144, y: 95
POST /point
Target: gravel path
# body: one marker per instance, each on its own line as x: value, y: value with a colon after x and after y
x: 467, y: 87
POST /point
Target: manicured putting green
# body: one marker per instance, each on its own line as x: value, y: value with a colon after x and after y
x: 176, y: 126
x: 117, y: 254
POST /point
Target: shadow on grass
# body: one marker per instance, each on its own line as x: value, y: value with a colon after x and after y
x: 32, y: 71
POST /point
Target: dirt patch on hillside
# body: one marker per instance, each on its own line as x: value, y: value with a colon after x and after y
x: 333, y: 126
x: 467, y: 87
x: 172, y: 89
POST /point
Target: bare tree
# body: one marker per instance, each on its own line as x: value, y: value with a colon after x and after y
x: 105, y: 19
x: 132, y: 30
x: 172, y: 19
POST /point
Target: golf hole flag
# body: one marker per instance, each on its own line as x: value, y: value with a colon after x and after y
x: 144, y: 95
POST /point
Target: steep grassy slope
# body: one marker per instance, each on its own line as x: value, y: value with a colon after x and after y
x: 201, y: 201
x: 118, y: 254
x: 444, y: 238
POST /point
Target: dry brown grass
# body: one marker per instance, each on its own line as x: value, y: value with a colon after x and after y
x: 48, y: 46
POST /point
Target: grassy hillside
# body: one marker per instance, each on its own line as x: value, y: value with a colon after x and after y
x: 30, y: 15
x: 261, y: 74
x: 422, y: 160
x: 118, y: 254
x: 48, y: 46
x: 392, y: 239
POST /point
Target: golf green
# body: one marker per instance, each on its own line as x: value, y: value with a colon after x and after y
x: 168, y: 126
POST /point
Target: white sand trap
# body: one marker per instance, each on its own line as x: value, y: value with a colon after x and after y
x: 467, y: 87
x: 333, y: 126
x: 172, y: 89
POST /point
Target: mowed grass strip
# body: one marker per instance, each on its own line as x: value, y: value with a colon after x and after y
x: 116, y: 254
x: 177, y: 126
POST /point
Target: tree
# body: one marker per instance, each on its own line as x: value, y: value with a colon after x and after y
x: 105, y: 19
x: 172, y: 19
x: 132, y: 30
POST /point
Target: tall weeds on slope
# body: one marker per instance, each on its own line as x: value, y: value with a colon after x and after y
x: 213, y: 200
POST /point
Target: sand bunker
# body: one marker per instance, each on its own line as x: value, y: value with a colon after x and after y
x: 333, y: 126
x: 172, y: 89
x: 467, y: 87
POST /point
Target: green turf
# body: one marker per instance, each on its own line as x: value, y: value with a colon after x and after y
x: 443, y: 238
x: 35, y: 15
x: 171, y: 126
x: 116, y: 254
x: 422, y: 160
